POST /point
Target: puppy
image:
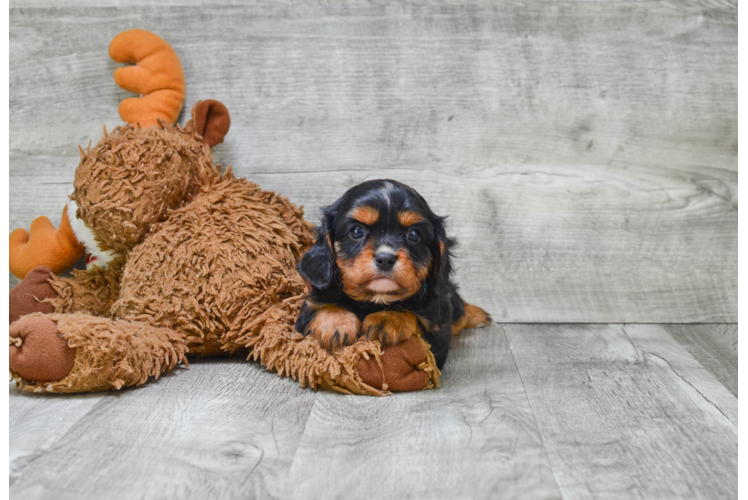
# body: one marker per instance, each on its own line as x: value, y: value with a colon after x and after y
x: 381, y: 268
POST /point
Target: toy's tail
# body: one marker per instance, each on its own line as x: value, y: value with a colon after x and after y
x: 156, y: 75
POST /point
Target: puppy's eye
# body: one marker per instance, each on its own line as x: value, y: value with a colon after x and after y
x: 357, y: 233
x: 413, y: 236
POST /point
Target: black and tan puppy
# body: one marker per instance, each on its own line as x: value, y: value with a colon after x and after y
x: 381, y: 268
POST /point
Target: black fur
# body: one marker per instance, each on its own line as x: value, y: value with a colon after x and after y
x: 437, y: 301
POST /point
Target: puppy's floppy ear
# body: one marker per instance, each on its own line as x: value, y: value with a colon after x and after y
x: 317, y: 266
x: 441, y: 266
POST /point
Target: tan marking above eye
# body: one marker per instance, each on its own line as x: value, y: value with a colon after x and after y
x: 408, y: 218
x: 365, y: 215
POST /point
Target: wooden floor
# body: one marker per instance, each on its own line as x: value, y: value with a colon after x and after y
x: 525, y: 411
x: 586, y: 154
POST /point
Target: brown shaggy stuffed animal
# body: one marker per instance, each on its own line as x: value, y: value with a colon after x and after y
x: 185, y: 260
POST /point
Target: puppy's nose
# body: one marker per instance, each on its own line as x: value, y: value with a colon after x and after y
x: 385, y: 260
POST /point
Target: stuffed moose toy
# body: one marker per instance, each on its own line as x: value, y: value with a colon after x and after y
x: 182, y: 260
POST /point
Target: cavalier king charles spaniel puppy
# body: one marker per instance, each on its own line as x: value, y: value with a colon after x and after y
x: 380, y: 268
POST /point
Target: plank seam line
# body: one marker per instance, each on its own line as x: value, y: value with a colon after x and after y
x: 692, y: 386
x: 288, y: 485
x: 672, y: 368
x: 532, y: 411
x: 51, y: 447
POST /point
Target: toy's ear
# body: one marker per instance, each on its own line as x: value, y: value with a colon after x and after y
x: 317, y: 266
x: 212, y: 121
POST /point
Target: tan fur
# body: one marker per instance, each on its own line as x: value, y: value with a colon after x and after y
x: 358, y: 272
x: 333, y: 327
x: 365, y: 215
x: 474, y: 317
x: 408, y: 275
x: 408, y: 218
x: 390, y: 327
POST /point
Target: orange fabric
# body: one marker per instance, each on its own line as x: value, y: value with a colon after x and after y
x: 157, y: 77
x: 43, y: 245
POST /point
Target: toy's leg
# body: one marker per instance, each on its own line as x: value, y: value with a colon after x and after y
x: 408, y: 366
x: 92, y: 292
x: 82, y: 353
x: 361, y: 368
x: 33, y: 294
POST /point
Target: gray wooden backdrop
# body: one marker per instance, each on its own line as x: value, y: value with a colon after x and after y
x: 586, y: 152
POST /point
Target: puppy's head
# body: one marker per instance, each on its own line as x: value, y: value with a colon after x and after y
x: 383, y: 242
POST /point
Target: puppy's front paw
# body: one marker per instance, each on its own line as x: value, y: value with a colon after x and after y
x: 334, y: 327
x: 390, y: 327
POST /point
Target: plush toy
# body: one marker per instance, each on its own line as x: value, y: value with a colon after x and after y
x: 182, y: 260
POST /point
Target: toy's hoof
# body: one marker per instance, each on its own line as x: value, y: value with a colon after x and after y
x: 38, y: 352
x: 26, y: 296
x: 399, y: 370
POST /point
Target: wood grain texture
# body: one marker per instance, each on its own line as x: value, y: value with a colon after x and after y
x: 743, y: 485
x: 586, y: 152
x: 524, y: 411
x: 715, y: 347
x: 625, y: 411
x: 37, y: 422
x: 222, y: 429
x: 743, y: 385
x: 474, y: 437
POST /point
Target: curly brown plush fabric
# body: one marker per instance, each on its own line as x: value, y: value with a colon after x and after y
x: 88, y: 291
x: 127, y: 199
x: 111, y: 354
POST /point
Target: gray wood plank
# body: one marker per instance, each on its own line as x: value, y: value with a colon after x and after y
x: 714, y: 346
x: 700, y: 6
x: 586, y: 152
x: 625, y: 411
x: 475, y: 437
x: 38, y: 422
x: 12, y: 281
x: 743, y: 468
x: 743, y: 386
x: 222, y: 429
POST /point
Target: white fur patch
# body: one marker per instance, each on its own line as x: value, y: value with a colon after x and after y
x: 86, y: 237
x: 385, y: 191
x: 385, y: 249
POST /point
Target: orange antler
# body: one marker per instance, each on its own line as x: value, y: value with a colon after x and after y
x: 43, y: 245
x: 157, y: 76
